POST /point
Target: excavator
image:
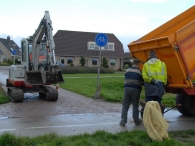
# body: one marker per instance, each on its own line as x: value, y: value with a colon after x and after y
x: 38, y: 69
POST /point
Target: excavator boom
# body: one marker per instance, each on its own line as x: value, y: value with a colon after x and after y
x: 44, y: 67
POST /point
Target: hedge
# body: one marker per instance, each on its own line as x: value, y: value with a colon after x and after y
x: 84, y: 69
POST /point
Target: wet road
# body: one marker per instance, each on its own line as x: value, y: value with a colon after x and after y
x: 84, y: 123
x: 71, y: 114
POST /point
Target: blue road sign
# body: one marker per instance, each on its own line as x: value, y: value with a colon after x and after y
x: 14, y: 52
x: 101, y: 39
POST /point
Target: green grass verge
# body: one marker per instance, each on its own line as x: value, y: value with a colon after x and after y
x: 100, y: 138
x: 111, y: 87
x: 3, y: 96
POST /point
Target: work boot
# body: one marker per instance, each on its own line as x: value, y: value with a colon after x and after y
x: 121, y: 123
x: 139, y: 122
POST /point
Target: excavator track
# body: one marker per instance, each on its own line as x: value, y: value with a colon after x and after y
x: 51, y: 94
x: 15, y: 94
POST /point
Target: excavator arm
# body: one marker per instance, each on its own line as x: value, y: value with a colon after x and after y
x: 42, y: 41
x: 44, y: 31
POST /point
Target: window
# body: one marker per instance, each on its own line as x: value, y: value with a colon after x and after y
x: 111, y: 46
x: 93, y: 46
x: 62, y: 61
x: 106, y: 47
x: 96, y: 47
x: 112, y: 62
x: 30, y: 52
x: 70, y: 60
x: 4, y: 59
x: 23, y: 51
x: 94, y: 61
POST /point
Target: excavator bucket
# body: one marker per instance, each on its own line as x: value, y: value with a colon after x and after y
x: 33, y: 78
x: 43, y: 77
x: 60, y: 77
x: 52, y: 78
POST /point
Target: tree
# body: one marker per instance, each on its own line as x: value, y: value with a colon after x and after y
x: 105, y: 63
x: 82, y: 61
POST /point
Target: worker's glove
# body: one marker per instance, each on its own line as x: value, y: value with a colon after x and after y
x: 153, y: 81
x: 158, y: 83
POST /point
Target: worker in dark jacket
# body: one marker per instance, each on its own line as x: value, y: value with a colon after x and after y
x: 154, y: 73
x: 132, y: 89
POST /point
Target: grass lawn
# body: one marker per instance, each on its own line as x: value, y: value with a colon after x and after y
x: 100, y: 138
x: 85, y: 84
x: 3, y: 97
x: 111, y: 87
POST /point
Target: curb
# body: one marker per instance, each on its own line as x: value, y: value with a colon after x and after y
x: 5, y: 67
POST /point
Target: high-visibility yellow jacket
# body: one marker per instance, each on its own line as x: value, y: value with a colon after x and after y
x: 154, y: 69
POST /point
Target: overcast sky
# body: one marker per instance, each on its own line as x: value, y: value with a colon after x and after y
x: 128, y: 20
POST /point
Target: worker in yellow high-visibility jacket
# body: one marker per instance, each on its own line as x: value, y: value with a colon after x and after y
x: 155, y: 78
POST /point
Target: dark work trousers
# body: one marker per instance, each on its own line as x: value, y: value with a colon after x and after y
x: 153, y: 98
x: 131, y: 95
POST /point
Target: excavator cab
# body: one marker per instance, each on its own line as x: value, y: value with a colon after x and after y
x: 43, y: 58
x: 38, y: 65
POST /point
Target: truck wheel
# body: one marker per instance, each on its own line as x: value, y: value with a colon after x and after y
x: 187, y: 104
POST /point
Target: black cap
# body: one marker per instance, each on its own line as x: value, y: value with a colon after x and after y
x: 152, y: 53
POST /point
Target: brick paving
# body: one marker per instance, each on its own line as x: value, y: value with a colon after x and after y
x: 68, y: 103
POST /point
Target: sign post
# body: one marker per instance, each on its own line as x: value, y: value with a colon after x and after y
x: 101, y: 40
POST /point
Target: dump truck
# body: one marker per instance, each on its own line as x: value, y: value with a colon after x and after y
x: 174, y: 43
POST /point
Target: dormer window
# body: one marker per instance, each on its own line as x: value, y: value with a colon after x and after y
x: 93, y: 46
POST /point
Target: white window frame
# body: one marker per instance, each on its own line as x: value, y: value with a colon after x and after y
x: 92, y: 46
x: 62, y: 58
x: 94, y: 58
x: 70, y: 58
x: 112, y: 60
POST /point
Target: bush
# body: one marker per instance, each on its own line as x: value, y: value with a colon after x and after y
x: 126, y: 66
x: 6, y: 62
x: 84, y: 69
x: 71, y: 64
x: 130, y: 64
x: 120, y: 69
x: 82, y: 61
x: 105, y: 63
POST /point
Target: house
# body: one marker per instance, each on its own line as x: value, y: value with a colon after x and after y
x: 71, y: 45
x: 1, y: 56
x: 8, y: 48
x: 127, y: 58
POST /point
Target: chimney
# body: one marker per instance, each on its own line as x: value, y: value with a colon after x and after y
x: 8, y: 40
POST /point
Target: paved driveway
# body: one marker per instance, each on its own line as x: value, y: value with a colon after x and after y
x: 68, y: 103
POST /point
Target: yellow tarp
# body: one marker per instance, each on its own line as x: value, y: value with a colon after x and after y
x: 155, y: 124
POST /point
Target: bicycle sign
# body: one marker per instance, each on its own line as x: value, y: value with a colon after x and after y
x: 101, y: 39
